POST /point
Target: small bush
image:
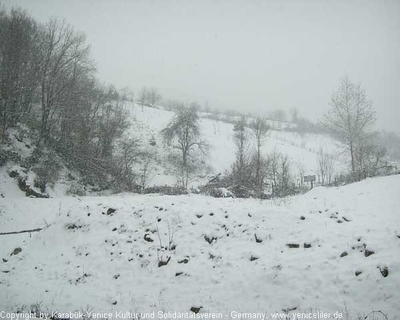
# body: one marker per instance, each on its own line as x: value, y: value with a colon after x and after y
x: 221, y: 193
x: 23, y: 186
x: 13, y: 174
x: 76, y: 189
x: 48, y: 169
x: 34, y: 158
x: 153, y: 141
x: 8, y: 155
x: 165, y: 190
x: 243, y: 191
x: 40, y: 184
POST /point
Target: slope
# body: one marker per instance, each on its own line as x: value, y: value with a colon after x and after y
x: 142, y: 253
x: 302, y: 150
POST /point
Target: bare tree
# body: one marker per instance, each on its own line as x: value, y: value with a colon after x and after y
x: 279, y: 175
x: 19, y: 66
x: 143, y: 97
x: 285, y: 178
x: 278, y: 115
x: 326, y: 164
x: 129, y: 152
x: 98, y: 123
x: 241, y: 172
x: 63, y: 51
x: 111, y: 121
x: 350, y: 118
x: 294, y: 114
x: 301, y: 171
x: 153, y: 97
x: 127, y: 95
x: 370, y: 159
x: 273, y: 171
x: 183, y: 133
x: 147, y: 159
x: 259, y: 128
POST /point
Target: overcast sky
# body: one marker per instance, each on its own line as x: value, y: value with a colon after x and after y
x: 245, y: 55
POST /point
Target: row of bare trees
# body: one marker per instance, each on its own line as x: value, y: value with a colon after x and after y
x: 350, y: 120
x: 19, y: 66
x: 148, y: 97
x: 253, y: 172
x: 48, y: 81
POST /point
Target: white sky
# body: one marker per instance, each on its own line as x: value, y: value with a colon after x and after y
x: 245, y: 55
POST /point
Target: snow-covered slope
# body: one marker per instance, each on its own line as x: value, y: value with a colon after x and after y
x: 222, y: 254
x: 301, y: 149
x: 147, y: 124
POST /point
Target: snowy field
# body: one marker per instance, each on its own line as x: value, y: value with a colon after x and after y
x: 332, y: 249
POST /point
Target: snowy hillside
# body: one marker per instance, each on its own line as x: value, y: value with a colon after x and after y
x: 327, y: 250
x: 146, y: 125
x: 301, y: 149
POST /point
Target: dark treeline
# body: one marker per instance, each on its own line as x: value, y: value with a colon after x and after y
x: 48, y: 82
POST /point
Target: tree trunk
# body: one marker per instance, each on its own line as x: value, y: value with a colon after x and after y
x: 353, y: 165
x: 185, y: 169
x: 258, y: 169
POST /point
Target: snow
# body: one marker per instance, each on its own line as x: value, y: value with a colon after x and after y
x: 147, y: 123
x: 237, y: 252
x: 172, y: 253
x: 301, y: 148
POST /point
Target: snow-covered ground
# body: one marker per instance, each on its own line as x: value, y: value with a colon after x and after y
x: 221, y: 254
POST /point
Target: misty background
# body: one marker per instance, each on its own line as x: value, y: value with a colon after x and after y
x: 248, y: 56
